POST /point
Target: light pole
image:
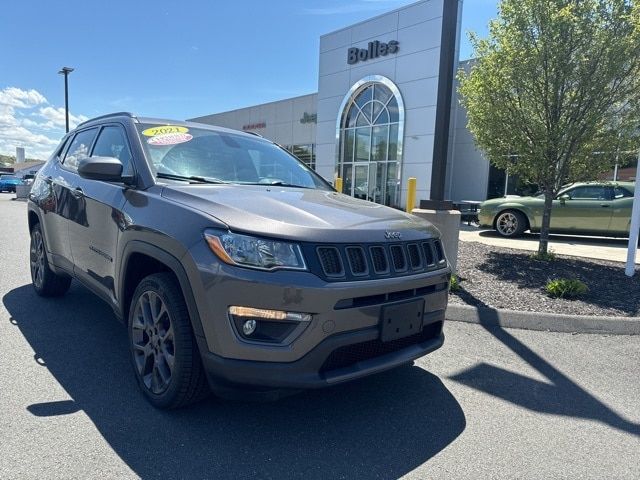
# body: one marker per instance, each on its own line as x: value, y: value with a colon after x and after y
x: 66, y: 71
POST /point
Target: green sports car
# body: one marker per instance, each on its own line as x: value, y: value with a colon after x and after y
x: 594, y: 208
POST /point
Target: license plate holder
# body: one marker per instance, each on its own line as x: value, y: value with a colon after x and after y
x: 401, y: 320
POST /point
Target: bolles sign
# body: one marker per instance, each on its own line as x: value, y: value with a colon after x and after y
x: 374, y: 50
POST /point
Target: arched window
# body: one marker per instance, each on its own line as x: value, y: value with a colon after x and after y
x: 370, y: 148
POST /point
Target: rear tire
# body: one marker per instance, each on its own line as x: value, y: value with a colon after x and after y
x: 164, y: 353
x: 45, y: 282
x: 511, y: 223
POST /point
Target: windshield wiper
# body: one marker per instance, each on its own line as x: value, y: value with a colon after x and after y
x: 278, y: 183
x: 190, y: 178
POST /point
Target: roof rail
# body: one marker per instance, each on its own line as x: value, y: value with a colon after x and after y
x: 108, y: 115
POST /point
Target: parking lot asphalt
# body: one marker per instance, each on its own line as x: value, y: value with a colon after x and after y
x: 601, y: 248
x: 492, y: 403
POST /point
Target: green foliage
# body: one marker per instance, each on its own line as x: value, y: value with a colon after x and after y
x: 543, y: 257
x: 555, y: 90
x: 566, y: 288
x: 454, y: 283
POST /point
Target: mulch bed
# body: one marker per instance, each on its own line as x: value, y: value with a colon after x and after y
x: 509, y: 279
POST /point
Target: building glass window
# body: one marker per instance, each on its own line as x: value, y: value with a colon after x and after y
x: 306, y: 153
x: 370, y: 148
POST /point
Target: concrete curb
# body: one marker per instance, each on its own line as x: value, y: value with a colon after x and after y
x: 544, y: 321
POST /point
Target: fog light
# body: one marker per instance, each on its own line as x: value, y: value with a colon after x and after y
x: 271, y: 326
x: 272, y: 315
x: 249, y: 327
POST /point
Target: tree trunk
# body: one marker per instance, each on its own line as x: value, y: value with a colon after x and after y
x: 546, y: 222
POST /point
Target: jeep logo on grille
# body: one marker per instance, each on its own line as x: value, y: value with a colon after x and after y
x: 392, y: 235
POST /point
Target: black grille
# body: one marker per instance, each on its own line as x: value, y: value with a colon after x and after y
x: 348, y: 355
x: 344, y: 263
x: 414, y: 256
x: 379, y: 257
x: 399, y: 261
x: 357, y: 260
x: 428, y: 253
x: 330, y: 261
x: 439, y: 251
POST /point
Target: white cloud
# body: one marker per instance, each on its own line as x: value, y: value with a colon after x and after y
x: 28, y: 120
x: 16, y: 97
x: 57, y: 117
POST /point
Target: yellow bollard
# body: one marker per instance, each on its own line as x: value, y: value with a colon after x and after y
x: 338, y: 184
x: 411, y: 194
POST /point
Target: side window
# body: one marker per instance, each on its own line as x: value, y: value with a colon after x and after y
x: 61, y: 148
x: 619, y: 192
x: 592, y: 192
x: 79, y: 148
x: 112, y: 142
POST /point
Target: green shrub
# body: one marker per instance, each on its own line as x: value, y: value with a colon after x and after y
x: 454, y: 283
x: 543, y: 257
x: 566, y: 288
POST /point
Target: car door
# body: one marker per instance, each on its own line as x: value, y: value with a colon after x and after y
x: 64, y: 206
x: 94, y: 235
x: 45, y: 193
x: 583, y: 209
x: 621, y: 211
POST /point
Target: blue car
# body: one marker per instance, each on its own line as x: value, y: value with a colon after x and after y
x: 8, y: 183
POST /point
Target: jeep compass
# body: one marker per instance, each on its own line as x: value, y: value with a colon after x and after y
x: 234, y: 266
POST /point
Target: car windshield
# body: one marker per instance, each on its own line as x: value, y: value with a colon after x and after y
x: 212, y: 156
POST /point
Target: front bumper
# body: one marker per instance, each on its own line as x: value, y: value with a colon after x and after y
x: 341, y: 342
x: 337, y: 359
x: 485, y: 218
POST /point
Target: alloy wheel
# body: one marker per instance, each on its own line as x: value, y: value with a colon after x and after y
x: 153, y: 342
x: 507, y: 224
x: 37, y: 259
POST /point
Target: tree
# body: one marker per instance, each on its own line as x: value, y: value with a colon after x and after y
x: 555, y: 85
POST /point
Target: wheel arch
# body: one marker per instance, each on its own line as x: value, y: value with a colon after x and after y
x: 141, y: 259
x: 33, y: 218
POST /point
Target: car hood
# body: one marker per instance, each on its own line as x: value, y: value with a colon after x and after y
x: 298, y: 213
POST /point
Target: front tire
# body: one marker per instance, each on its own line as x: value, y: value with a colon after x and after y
x: 165, y: 357
x: 511, y: 223
x: 45, y: 282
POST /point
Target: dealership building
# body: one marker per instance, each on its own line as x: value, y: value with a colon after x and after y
x: 386, y: 110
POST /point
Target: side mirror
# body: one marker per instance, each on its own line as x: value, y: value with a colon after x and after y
x: 564, y: 198
x: 108, y: 169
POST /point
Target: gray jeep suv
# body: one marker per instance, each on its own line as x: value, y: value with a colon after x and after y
x: 234, y: 266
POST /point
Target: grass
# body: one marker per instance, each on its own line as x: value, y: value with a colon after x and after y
x: 543, y: 257
x: 569, y: 288
x: 454, y: 283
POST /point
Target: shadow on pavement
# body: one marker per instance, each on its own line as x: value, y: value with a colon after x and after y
x: 561, y: 396
x: 608, y: 286
x: 382, y: 427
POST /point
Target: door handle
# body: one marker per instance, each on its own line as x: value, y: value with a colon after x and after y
x: 78, y: 193
x: 604, y: 205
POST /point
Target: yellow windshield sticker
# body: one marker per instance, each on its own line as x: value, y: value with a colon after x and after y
x: 163, y: 130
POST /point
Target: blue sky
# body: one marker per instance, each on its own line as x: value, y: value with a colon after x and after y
x: 168, y: 59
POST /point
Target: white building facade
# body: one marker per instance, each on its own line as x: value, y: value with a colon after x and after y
x: 380, y: 102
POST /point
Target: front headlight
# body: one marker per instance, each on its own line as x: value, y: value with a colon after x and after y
x: 254, y: 252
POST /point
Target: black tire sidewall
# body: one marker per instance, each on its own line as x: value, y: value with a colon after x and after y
x: 183, y: 341
x: 52, y: 284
